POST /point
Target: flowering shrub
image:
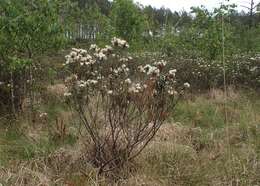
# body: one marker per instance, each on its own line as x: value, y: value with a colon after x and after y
x: 241, y: 71
x: 121, y: 103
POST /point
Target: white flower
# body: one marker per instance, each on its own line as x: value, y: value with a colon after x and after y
x: 93, y: 47
x: 172, y: 72
x: 101, y: 56
x: 151, y: 70
x: 172, y: 92
x: 119, y: 42
x: 116, y: 71
x: 109, y: 48
x: 126, y: 70
x: 128, y: 81
x: 44, y: 114
x: 71, y: 78
x: 156, y: 72
x: 135, y: 88
x: 83, y: 52
x: 99, y: 77
x: 73, y: 54
x: 138, y: 86
x: 161, y: 63
x: 141, y: 69
x: 82, y: 84
x: 67, y: 94
x: 110, y: 92
x: 104, y: 50
x: 124, y: 60
x: 77, y: 58
x: 89, y: 57
x: 186, y: 85
x: 68, y: 60
x: 92, y: 82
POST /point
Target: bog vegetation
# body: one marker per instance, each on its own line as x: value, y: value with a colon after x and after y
x: 117, y: 93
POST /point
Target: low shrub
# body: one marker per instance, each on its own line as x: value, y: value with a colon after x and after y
x: 121, y: 103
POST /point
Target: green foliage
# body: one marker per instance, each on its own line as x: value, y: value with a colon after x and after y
x: 128, y: 20
x: 28, y: 28
x: 17, y: 64
x: 201, y: 35
x: 169, y: 44
x: 205, y: 33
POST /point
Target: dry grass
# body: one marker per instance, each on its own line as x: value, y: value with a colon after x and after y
x: 218, y: 95
x: 57, y: 89
x: 181, y: 154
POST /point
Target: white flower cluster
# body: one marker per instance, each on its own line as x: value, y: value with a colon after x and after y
x: 137, y: 88
x: 110, y: 92
x: 128, y: 81
x: 172, y: 73
x: 160, y: 64
x: 67, y: 94
x: 107, y: 49
x: 82, y: 83
x: 92, y: 82
x: 71, y: 79
x: 113, y: 77
x: 101, y: 56
x: 186, y: 85
x: 119, y: 42
x: 43, y: 115
x: 149, y: 70
x: 94, y: 47
x: 79, y: 56
x: 122, y: 69
x: 126, y: 59
x: 172, y: 92
x: 82, y: 57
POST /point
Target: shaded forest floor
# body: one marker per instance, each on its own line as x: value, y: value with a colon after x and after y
x: 198, y: 147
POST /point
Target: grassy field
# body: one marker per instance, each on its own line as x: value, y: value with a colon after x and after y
x: 207, y: 143
x: 114, y: 92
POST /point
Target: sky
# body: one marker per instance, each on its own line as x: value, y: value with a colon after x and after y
x: 178, y: 5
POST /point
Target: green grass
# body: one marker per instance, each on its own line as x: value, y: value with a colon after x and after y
x: 210, y: 114
x: 15, y: 146
x: 201, y: 113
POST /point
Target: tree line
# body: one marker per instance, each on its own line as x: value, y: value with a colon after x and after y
x: 31, y: 28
